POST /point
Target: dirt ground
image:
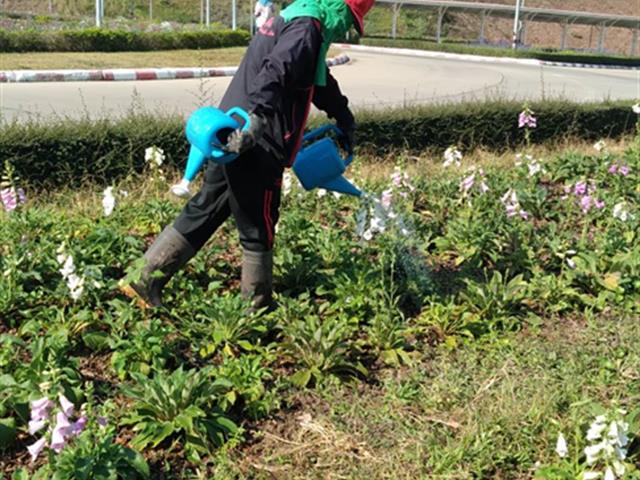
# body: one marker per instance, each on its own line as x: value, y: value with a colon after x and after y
x: 617, y: 40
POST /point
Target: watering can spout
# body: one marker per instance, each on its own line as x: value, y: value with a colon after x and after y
x: 341, y: 185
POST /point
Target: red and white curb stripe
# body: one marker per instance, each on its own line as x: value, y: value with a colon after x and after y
x: 475, y: 58
x: 127, y: 74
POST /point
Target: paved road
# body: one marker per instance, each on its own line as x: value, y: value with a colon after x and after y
x: 372, y: 80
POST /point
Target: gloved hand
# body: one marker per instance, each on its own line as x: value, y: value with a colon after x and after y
x: 242, y: 140
x: 347, y: 124
x: 348, y: 138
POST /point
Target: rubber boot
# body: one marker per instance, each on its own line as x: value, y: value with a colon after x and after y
x: 257, y: 279
x: 168, y: 253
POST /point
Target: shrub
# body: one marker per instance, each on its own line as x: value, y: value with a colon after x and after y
x: 102, y: 40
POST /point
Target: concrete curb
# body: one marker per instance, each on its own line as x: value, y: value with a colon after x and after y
x: 127, y: 74
x: 475, y: 58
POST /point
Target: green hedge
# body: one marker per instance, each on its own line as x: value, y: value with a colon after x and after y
x: 548, y: 54
x: 101, y: 40
x: 56, y: 153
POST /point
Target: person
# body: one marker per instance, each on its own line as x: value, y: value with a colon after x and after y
x: 262, y: 12
x: 283, y: 71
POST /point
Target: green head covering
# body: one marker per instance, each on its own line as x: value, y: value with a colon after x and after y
x: 336, y: 20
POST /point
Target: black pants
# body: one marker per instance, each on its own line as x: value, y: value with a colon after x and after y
x: 249, y: 188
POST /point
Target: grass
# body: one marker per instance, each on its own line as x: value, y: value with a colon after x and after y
x: 486, y: 410
x: 218, y: 57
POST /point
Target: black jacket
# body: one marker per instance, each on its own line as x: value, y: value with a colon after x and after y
x: 275, y: 79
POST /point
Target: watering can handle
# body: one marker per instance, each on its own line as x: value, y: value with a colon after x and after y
x: 318, y: 132
x: 242, y: 114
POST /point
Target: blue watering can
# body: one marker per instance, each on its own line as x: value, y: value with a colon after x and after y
x: 208, y: 129
x: 320, y: 164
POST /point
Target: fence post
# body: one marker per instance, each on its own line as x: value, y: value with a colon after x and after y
x: 439, y: 24
x: 634, y: 43
x: 233, y: 14
x: 208, y: 13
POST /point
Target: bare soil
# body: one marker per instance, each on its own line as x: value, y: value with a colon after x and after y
x: 617, y: 40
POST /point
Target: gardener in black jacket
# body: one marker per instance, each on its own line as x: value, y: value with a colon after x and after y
x: 282, y: 72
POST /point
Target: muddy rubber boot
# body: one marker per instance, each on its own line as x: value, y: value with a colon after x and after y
x: 257, y: 279
x: 168, y: 253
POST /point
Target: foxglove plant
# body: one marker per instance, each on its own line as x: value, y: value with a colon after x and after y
x: 584, y: 194
x: 75, y: 283
x: 476, y: 178
x: 607, y: 452
x: 379, y: 213
x: 512, y: 205
x: 154, y: 157
x: 62, y: 426
x: 108, y: 201
x: 11, y: 196
x: 452, y: 156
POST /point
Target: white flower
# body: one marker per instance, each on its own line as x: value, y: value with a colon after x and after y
x: 452, y: 155
x: 590, y: 475
x: 597, y: 427
x: 608, y: 474
x: 636, y: 108
x: 155, y: 155
x: 76, y: 286
x: 68, y: 267
x: 620, y: 211
x: 534, y: 168
x: 571, y: 264
x: 561, y: 446
x: 600, y: 145
x: 108, y: 201
x: 36, y: 448
x: 321, y: 192
x: 593, y: 451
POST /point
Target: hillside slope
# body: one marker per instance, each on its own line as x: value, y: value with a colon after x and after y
x: 548, y: 35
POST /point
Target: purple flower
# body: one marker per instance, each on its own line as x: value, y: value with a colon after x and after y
x: 77, y: 427
x: 585, y: 203
x: 386, y: 198
x: 60, y: 432
x: 613, y: 168
x: 624, y: 170
x: 35, y: 448
x: 102, y: 421
x: 67, y: 406
x: 599, y: 204
x: 36, y: 425
x: 467, y: 183
x: 580, y: 188
x: 40, y: 409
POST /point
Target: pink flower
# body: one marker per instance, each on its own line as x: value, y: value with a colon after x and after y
x: 35, y: 448
x: 585, y: 203
x: 10, y: 198
x: 526, y: 119
x: 624, y: 170
x: 386, y: 198
x: 599, y: 204
x: 613, y: 168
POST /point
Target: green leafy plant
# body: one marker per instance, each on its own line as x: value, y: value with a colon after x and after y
x: 182, y: 406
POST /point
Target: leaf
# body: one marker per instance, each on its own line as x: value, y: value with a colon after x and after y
x: 301, y: 378
x: 137, y: 462
x: 96, y: 340
x: 7, y: 432
x: 611, y: 281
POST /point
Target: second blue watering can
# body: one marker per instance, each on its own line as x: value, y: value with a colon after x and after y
x: 320, y: 165
x: 208, y: 130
